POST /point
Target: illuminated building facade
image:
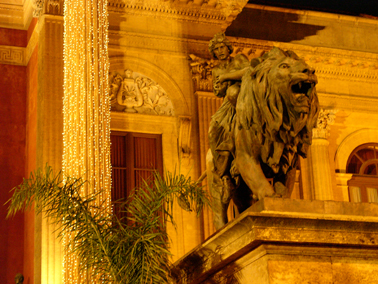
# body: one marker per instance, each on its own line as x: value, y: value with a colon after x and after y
x: 160, y: 90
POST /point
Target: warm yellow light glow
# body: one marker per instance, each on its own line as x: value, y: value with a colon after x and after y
x: 86, y: 107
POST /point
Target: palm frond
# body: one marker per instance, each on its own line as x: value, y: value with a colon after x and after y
x: 134, y: 250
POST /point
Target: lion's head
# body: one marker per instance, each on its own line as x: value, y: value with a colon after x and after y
x: 279, y: 104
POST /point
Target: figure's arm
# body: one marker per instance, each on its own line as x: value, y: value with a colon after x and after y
x: 240, y: 66
x: 219, y: 88
x: 232, y: 76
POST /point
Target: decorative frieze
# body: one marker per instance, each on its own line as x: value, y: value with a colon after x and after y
x: 135, y: 93
x: 328, y: 62
x: 210, y: 11
x: 12, y: 55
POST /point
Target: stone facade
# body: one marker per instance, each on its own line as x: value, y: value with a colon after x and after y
x: 289, y: 241
x: 166, y: 42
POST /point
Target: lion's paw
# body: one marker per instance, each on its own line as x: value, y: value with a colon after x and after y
x: 280, y: 189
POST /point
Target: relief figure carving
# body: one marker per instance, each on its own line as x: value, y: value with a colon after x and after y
x: 136, y: 93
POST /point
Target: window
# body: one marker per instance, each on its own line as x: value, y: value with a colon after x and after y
x: 134, y: 158
x: 363, y: 163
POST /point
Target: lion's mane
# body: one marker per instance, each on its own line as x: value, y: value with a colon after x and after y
x: 262, y: 111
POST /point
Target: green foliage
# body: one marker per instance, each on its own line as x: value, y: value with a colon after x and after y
x: 132, y: 250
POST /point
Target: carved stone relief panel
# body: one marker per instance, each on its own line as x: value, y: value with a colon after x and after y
x: 136, y: 93
x: 326, y: 118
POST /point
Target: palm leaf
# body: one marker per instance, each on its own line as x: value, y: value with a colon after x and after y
x: 133, y: 250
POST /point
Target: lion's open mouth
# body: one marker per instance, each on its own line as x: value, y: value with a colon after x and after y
x: 304, y: 88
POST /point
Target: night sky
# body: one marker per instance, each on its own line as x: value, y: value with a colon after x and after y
x: 364, y: 8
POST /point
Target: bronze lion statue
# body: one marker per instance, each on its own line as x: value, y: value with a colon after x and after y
x: 276, y: 110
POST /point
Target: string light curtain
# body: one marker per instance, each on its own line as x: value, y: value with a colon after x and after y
x: 86, y: 107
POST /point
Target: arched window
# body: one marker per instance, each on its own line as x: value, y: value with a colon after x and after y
x: 363, y: 164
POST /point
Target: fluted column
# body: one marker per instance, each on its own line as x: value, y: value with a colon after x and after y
x: 321, y: 169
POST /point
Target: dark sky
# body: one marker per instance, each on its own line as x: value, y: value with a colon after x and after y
x: 347, y: 7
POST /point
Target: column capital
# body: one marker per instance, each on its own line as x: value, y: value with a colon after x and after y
x: 201, y: 73
x: 38, y: 7
x: 51, y: 7
x: 325, y: 120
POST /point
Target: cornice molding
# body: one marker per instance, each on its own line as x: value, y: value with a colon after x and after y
x: 329, y: 63
x: 347, y: 102
x: 11, y: 16
x: 325, y: 15
x: 16, y: 16
x: 19, y: 16
x: 219, y: 12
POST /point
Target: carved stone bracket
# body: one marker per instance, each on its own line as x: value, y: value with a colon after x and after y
x: 325, y: 120
x: 184, y: 136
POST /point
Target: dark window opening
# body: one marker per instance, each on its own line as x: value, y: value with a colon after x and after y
x: 134, y: 158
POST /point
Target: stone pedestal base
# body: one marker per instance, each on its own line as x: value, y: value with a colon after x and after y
x: 289, y: 241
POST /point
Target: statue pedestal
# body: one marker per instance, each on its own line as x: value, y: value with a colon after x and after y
x: 289, y: 241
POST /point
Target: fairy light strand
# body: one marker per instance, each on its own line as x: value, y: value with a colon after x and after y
x: 86, y: 108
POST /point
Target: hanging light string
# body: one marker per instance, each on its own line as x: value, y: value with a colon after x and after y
x: 86, y: 108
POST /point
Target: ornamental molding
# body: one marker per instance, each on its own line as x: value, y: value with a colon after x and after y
x: 334, y: 64
x: 220, y: 12
x: 329, y: 63
x: 349, y: 103
x: 12, y: 55
x: 16, y: 15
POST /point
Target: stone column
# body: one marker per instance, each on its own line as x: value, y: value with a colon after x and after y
x: 46, y: 127
x: 320, y: 156
x: 86, y: 110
